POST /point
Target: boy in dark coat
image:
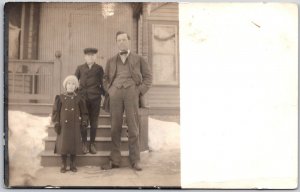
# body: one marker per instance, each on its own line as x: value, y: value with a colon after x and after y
x: 90, y: 76
x: 69, y: 115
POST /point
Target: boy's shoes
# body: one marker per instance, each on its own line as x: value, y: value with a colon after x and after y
x: 73, y: 169
x: 93, y: 148
x: 137, y: 166
x: 84, y: 148
x: 109, y: 165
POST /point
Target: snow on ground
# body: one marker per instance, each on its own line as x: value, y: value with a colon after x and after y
x: 160, y: 168
x: 25, y: 143
x: 163, y: 135
x: 26, y: 134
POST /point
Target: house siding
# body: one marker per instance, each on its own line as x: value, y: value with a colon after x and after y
x: 60, y: 27
x: 160, y: 96
x: 60, y: 31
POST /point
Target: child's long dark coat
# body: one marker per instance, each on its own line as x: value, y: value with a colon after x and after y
x: 69, y: 111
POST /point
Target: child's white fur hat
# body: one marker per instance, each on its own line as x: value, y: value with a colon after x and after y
x: 71, y: 78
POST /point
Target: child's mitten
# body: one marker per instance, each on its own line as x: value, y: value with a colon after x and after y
x: 57, y: 128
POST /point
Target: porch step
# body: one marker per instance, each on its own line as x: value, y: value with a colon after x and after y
x: 44, y: 109
x: 104, y: 119
x: 102, y: 131
x: 49, y: 159
x: 103, y: 139
x: 102, y: 143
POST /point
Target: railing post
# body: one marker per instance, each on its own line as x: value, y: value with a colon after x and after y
x: 57, y: 74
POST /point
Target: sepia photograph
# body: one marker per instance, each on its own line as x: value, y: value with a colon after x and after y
x: 92, y: 95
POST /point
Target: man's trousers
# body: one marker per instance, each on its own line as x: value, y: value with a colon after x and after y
x: 124, y: 99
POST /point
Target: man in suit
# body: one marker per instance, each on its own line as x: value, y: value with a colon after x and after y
x: 90, y: 76
x: 127, y: 76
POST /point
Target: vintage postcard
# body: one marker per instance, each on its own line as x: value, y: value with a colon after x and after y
x: 151, y: 95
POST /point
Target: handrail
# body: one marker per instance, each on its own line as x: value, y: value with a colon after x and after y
x: 30, y: 61
x: 31, y: 79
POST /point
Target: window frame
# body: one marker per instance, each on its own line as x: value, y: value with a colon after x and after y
x: 151, y: 26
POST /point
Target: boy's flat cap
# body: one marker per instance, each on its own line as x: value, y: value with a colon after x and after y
x: 90, y: 50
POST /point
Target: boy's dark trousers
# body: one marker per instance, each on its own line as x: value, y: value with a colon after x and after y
x: 93, y: 107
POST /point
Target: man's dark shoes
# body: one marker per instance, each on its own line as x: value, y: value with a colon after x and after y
x: 93, y: 148
x: 73, y: 169
x: 63, y: 169
x: 109, y: 165
x: 137, y: 166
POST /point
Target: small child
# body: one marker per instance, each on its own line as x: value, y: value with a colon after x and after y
x: 69, y: 116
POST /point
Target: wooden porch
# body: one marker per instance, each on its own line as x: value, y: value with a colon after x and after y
x: 50, y: 48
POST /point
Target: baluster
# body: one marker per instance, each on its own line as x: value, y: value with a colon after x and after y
x: 13, y: 79
x: 44, y: 84
x: 33, y: 83
x: 23, y: 77
x: 42, y: 88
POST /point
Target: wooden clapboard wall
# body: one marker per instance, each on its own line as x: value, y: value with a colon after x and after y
x: 162, y: 96
x: 70, y: 27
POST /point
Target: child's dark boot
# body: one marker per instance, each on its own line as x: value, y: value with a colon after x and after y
x: 63, y: 168
x: 73, y: 163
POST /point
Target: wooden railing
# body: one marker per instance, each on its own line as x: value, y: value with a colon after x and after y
x: 32, y: 79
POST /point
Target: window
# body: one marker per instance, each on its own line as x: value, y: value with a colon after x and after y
x: 164, y: 54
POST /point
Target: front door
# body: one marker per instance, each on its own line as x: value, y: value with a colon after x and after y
x: 87, y: 30
x: 71, y: 27
x: 95, y: 29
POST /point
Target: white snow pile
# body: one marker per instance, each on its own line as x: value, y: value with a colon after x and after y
x: 25, y: 143
x: 163, y: 135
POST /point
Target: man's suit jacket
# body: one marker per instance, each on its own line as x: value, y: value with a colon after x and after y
x: 139, y: 70
x: 90, y: 81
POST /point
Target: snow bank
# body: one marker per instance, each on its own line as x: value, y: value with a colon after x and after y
x: 25, y: 143
x: 163, y: 135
